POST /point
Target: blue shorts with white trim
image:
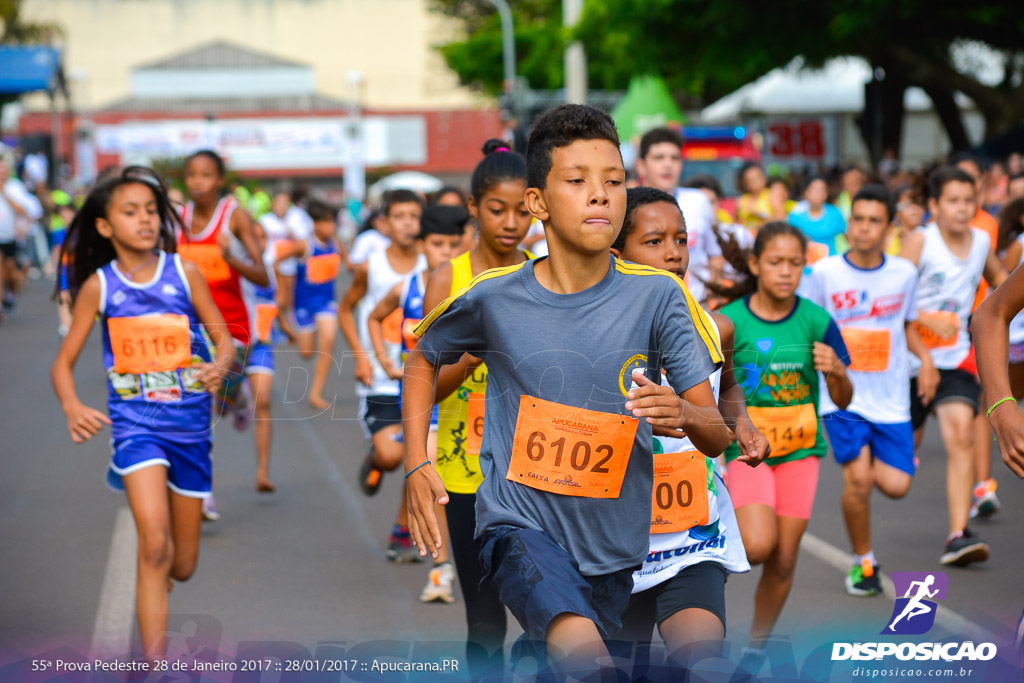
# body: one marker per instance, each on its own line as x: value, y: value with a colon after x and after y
x: 189, y: 469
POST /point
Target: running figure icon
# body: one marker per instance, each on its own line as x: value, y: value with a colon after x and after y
x: 915, y: 607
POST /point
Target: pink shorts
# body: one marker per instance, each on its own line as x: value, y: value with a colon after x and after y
x: 788, y: 488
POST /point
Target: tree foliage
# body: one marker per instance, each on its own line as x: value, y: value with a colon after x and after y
x: 707, y: 48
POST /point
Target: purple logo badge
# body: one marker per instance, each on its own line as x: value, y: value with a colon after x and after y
x: 916, y: 593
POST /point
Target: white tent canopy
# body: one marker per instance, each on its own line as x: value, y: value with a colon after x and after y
x: 405, y: 180
x: 837, y: 87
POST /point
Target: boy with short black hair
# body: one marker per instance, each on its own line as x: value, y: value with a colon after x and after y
x: 563, y: 511
x: 378, y: 393
x: 873, y: 299
x: 951, y: 258
x: 659, y: 165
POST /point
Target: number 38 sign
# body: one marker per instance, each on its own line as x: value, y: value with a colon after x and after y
x: 800, y: 139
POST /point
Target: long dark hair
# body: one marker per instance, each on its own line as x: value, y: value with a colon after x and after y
x: 500, y: 164
x: 737, y: 257
x: 85, y: 251
x: 1010, y: 224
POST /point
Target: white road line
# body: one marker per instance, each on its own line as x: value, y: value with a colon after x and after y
x: 945, y: 617
x: 111, y: 634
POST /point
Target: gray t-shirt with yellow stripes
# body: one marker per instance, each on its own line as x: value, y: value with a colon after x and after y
x: 577, y: 350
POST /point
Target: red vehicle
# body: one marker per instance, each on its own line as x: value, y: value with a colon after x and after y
x: 718, y: 151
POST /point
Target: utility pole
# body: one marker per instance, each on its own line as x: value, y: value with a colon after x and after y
x: 508, y: 52
x: 575, y: 57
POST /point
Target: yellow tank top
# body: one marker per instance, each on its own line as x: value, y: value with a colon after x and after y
x: 459, y: 470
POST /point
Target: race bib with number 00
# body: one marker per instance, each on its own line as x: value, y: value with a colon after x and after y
x: 150, y: 343
x: 571, y: 451
x: 680, y: 497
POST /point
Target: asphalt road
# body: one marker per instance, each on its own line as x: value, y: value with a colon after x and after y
x: 302, y: 573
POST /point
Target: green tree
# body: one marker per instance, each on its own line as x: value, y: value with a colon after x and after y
x: 705, y: 49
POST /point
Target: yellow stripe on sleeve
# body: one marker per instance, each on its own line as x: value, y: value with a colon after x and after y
x: 700, y: 320
x: 425, y: 324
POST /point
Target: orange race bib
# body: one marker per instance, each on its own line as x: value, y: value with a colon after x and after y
x: 150, y: 343
x: 787, y: 428
x: 208, y: 258
x: 571, y: 451
x: 283, y: 245
x: 265, y: 316
x: 934, y: 341
x: 475, y: 423
x: 815, y: 252
x: 869, y: 348
x: 680, y: 497
x: 409, y: 332
x: 322, y: 268
x: 392, y: 327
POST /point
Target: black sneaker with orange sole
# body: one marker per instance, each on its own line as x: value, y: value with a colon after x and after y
x: 369, y: 476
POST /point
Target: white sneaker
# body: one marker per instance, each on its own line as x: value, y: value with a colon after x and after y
x: 985, y: 502
x: 210, y: 513
x: 440, y: 584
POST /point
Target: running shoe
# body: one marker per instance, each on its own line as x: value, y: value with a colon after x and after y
x: 751, y: 661
x: 210, y: 513
x: 440, y: 584
x: 242, y: 410
x: 863, y: 579
x: 985, y: 502
x: 401, y: 549
x: 369, y: 476
x: 964, y: 548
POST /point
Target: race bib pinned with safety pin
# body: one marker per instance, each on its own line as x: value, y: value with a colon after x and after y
x: 571, y: 451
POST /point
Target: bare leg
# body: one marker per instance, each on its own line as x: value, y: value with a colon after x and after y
x: 148, y: 498
x: 691, y: 635
x: 186, y: 520
x: 957, y: 424
x: 858, y: 480
x: 776, y: 579
x: 327, y: 329
x: 759, y: 531
x: 575, y: 648
x: 387, y: 453
x: 262, y: 384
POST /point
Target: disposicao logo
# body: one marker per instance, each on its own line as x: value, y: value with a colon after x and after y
x: 914, y: 615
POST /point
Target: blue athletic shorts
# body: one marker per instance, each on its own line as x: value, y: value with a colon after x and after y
x: 893, y: 444
x: 189, y: 470
x: 260, y: 360
x: 538, y: 580
x: 306, y: 313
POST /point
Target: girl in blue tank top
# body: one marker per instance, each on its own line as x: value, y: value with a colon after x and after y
x: 160, y: 375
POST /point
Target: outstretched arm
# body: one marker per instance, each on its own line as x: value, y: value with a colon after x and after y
x: 424, y: 487
x: 83, y: 421
x: 991, y: 324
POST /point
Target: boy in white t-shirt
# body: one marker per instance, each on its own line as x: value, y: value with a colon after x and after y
x: 873, y: 299
x: 951, y: 257
x: 659, y: 165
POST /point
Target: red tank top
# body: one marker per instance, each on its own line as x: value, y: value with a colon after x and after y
x: 203, y: 248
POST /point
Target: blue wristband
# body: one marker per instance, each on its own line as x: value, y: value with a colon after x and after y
x: 425, y: 462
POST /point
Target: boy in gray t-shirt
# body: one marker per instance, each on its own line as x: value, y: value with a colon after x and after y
x: 563, y: 514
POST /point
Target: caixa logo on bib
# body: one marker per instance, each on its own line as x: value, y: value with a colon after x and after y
x: 914, y: 614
